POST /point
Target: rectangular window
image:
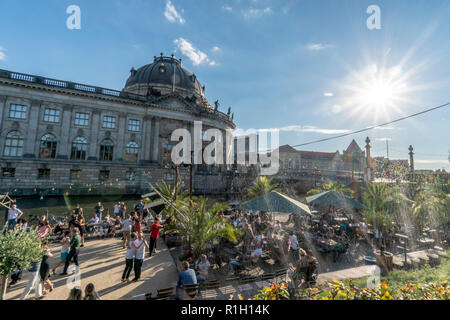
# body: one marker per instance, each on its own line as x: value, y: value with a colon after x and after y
x: 75, y: 174
x: 17, y: 111
x: 134, y: 125
x: 104, y: 174
x: 9, y: 172
x: 82, y: 119
x: 44, y: 174
x: 51, y: 115
x: 109, y: 122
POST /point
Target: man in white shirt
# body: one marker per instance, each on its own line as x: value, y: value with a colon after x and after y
x: 203, y: 268
x: 14, y: 214
x: 116, y: 209
x: 94, y: 220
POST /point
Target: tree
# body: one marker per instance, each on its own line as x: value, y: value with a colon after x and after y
x: 332, y: 186
x: 18, y: 249
x: 172, y: 193
x: 431, y: 207
x: 261, y: 186
x: 200, y: 225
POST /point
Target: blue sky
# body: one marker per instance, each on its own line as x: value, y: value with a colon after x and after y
x: 302, y: 66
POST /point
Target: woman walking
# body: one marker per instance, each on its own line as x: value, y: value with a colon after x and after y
x: 140, y: 245
x: 44, y: 270
x: 129, y: 257
x: 64, y: 250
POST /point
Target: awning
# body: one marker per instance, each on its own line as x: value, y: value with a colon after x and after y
x: 333, y: 198
x: 276, y: 202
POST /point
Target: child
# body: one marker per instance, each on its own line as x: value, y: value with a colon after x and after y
x: 129, y: 257
x: 64, y: 250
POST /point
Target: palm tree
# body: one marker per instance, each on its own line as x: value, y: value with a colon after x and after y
x: 338, y: 187
x: 200, y: 225
x: 431, y: 207
x: 261, y: 186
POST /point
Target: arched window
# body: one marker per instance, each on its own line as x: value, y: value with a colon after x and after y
x: 48, y: 146
x: 131, y: 152
x: 79, y: 148
x: 13, y: 144
x: 106, y: 150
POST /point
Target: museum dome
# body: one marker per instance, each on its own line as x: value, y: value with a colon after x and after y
x: 163, y: 72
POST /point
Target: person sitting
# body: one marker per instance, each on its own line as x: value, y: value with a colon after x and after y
x: 105, y: 227
x: 257, y: 253
x: 236, y: 265
x: 75, y: 294
x: 203, y: 267
x: 185, y: 277
x: 45, y: 229
x: 93, y: 221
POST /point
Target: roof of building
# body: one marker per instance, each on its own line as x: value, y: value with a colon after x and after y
x: 165, y: 71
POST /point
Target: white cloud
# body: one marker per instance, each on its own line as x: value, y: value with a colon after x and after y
x: 227, y: 8
x: 172, y: 14
x: 383, y: 139
x: 195, y: 55
x: 256, y: 13
x: 2, y: 54
x: 293, y: 128
x: 431, y: 161
x: 216, y: 49
x: 319, y: 46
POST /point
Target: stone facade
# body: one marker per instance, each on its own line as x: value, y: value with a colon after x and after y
x: 125, y: 137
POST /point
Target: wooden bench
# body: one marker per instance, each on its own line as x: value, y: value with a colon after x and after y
x: 211, y: 285
x: 247, y: 280
x: 191, y: 290
x: 281, y: 273
x: 162, y: 294
x: 268, y: 276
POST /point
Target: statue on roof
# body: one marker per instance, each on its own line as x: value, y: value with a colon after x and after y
x: 229, y: 111
x: 216, y: 105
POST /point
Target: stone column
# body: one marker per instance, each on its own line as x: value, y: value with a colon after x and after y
x: 119, y: 145
x: 155, y: 139
x: 411, y: 159
x: 93, y: 140
x: 65, y: 143
x: 31, y: 132
x: 145, y: 151
x: 368, y: 161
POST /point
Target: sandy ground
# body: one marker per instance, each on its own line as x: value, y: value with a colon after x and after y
x: 102, y: 262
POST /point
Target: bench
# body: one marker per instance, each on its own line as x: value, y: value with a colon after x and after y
x: 191, y: 290
x: 162, y: 294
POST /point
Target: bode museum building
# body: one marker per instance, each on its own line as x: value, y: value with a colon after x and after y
x: 62, y: 137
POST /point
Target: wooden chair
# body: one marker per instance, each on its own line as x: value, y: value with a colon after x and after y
x: 268, y: 276
x: 191, y: 290
x: 162, y: 294
x: 280, y: 274
x: 211, y: 285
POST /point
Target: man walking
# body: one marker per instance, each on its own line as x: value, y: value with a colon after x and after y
x: 75, y: 244
x: 154, y: 235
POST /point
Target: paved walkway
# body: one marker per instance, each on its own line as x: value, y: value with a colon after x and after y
x: 102, y: 262
x: 352, y: 273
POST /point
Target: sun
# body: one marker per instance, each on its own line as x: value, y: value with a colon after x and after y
x: 377, y: 93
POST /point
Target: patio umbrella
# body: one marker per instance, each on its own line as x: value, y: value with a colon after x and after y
x: 276, y: 202
x: 334, y: 198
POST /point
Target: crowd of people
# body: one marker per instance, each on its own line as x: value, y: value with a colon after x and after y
x: 71, y: 233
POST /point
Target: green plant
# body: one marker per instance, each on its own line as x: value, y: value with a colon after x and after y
x: 18, y: 249
x: 261, y: 186
x: 275, y: 292
x: 200, y: 225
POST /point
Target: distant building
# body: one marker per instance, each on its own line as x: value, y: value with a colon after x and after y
x: 381, y: 163
x: 59, y: 136
x: 317, y: 167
